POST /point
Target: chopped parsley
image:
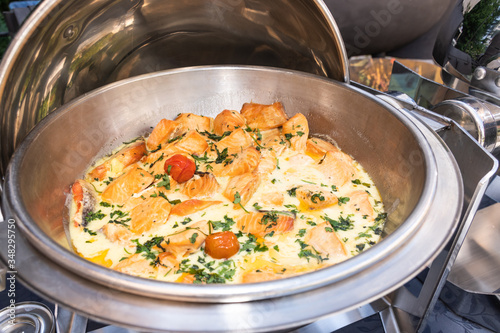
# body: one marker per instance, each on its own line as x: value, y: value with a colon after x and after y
x: 237, y: 200
x: 91, y: 216
x: 252, y: 245
x: 165, y: 181
x: 108, y: 181
x: 207, y: 272
x: 307, y: 253
x: 364, y: 234
x: 225, y: 226
x: 90, y: 232
x: 172, y: 202
x: 292, y: 192
x: 317, y: 196
x: 222, y: 156
x: 343, y: 223
x: 343, y: 200
x: 193, y: 237
x: 360, y: 247
x: 147, y: 248
x: 176, y: 138
x: 132, y: 141
x: 302, y: 232
x: 215, y: 137
x: 157, y: 148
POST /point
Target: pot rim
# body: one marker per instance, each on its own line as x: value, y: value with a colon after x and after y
x: 218, y: 293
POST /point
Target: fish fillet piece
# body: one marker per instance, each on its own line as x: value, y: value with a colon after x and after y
x: 200, y: 186
x: 273, y: 198
x: 235, y: 142
x: 134, y: 180
x: 120, y: 160
x: 152, y: 211
x: 84, y: 201
x: 338, y: 167
x: 273, y: 139
x: 296, y: 131
x: 194, y: 122
x: 136, y: 265
x: 244, y: 186
x: 359, y: 203
x: 186, y: 278
x: 315, y: 197
x: 163, y: 131
x: 317, y: 148
x: 324, y: 240
x: 261, y: 275
x: 186, y: 241
x: 267, y: 162
x: 192, y: 143
x: 260, y: 224
x: 192, y: 206
x: 244, y: 162
x: 228, y: 120
x: 263, y: 117
x: 168, y: 260
x: 116, y: 233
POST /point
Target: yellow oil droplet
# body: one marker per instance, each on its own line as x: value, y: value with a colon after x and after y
x: 185, y: 278
x: 100, y: 258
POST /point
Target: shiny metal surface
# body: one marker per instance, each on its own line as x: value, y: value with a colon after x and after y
x: 63, y: 146
x: 67, y: 48
x: 378, y: 26
x: 478, y: 114
x: 109, y: 304
x: 487, y: 79
x: 477, y: 267
x: 27, y: 317
x: 479, y: 118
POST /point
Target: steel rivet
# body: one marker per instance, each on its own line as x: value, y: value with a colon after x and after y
x: 497, y: 82
x: 479, y: 73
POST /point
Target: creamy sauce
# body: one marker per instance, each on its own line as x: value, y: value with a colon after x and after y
x: 283, y: 254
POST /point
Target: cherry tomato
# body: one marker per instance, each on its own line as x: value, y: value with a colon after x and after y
x: 180, y: 167
x: 222, y: 245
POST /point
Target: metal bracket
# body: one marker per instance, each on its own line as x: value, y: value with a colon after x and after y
x: 69, y: 322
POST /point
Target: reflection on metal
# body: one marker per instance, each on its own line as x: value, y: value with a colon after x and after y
x: 69, y: 322
x: 425, y: 92
x: 335, y: 322
x: 477, y: 267
x: 487, y: 79
x: 377, y: 73
x: 480, y: 119
x: 28, y: 317
x: 479, y: 116
x: 67, y: 48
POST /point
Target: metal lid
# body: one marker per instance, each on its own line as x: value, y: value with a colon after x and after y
x: 68, y: 48
x: 27, y: 317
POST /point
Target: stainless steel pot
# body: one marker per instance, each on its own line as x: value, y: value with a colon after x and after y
x: 415, y: 173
